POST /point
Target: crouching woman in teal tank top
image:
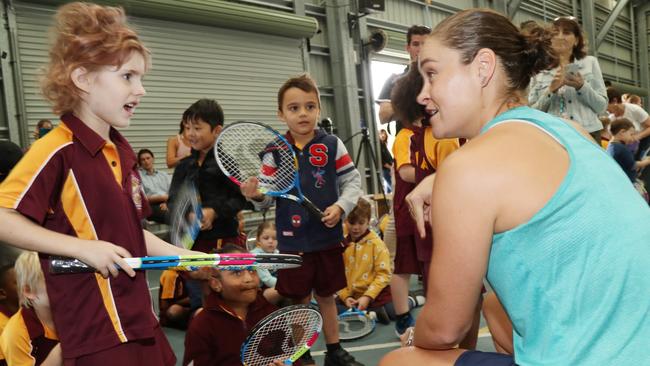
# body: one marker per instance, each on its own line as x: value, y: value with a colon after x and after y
x: 531, y: 203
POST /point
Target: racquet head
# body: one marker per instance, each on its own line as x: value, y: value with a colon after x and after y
x: 185, y: 217
x: 355, y: 324
x: 285, y: 334
x: 251, y: 149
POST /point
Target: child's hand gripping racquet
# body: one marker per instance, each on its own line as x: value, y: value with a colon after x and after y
x: 252, y: 149
x: 186, y: 216
x: 284, y: 334
x: 355, y: 324
x: 189, y: 262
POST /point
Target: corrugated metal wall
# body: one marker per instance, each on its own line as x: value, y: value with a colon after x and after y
x: 241, y: 70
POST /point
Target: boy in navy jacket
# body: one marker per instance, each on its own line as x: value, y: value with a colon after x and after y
x: 330, y: 180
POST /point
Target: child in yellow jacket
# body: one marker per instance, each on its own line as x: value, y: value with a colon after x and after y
x: 367, y: 267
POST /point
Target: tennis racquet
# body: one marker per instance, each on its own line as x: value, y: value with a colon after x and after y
x: 185, y: 217
x: 189, y: 262
x: 252, y: 149
x: 284, y: 334
x: 355, y: 324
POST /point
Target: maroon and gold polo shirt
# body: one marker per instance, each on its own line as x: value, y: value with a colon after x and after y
x: 26, y: 341
x: 74, y: 182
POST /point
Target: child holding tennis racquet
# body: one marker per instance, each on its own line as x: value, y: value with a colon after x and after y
x: 233, y: 307
x: 330, y: 180
x: 367, y: 267
x: 77, y: 193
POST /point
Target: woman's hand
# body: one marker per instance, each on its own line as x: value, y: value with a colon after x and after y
x: 575, y: 81
x: 419, y: 201
x: 558, y: 80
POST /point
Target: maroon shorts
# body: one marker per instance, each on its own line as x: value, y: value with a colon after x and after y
x: 406, y: 258
x: 383, y: 298
x: 150, y: 351
x: 424, y: 246
x: 322, y: 271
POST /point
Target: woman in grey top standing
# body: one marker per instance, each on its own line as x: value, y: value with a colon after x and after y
x: 574, y: 90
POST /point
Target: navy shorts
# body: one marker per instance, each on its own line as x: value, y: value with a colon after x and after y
x: 478, y: 358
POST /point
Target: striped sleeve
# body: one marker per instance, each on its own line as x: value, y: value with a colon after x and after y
x: 402, y: 148
x: 349, y: 179
x: 31, y: 186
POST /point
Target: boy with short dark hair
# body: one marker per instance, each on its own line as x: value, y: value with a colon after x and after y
x: 330, y: 180
x: 622, y: 133
x: 220, y: 199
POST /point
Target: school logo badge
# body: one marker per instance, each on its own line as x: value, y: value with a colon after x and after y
x: 136, y: 192
x: 296, y: 220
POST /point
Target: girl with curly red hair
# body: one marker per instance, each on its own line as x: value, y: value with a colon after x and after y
x: 77, y: 193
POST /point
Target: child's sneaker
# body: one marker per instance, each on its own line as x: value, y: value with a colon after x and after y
x: 403, y: 323
x: 417, y: 300
x: 382, y: 316
x: 340, y: 357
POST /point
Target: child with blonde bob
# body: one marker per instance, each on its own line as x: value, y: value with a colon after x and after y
x: 30, y: 335
x: 77, y: 192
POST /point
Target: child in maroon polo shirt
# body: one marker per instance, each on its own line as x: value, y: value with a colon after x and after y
x: 233, y: 307
x: 77, y: 193
x: 30, y: 336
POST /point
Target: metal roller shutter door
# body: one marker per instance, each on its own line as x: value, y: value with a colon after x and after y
x: 241, y: 70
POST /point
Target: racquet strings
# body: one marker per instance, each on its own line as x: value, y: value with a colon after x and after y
x: 354, y: 325
x: 185, y: 217
x: 282, y: 337
x: 247, y: 150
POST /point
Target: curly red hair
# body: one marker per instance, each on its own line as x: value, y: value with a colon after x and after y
x: 88, y: 36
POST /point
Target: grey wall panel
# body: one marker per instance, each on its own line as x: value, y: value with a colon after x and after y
x: 242, y: 70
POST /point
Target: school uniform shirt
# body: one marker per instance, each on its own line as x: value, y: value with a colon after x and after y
x: 583, y: 105
x: 172, y: 290
x: 26, y: 341
x: 404, y: 225
x: 327, y: 176
x: 5, y: 314
x: 216, y: 334
x: 367, y: 267
x: 216, y: 191
x: 74, y: 182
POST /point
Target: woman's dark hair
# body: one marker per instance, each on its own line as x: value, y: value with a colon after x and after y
x: 571, y: 24
x: 522, y: 56
x: 184, y: 119
x: 404, y: 96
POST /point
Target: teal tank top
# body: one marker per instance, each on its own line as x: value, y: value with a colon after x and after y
x: 576, y: 277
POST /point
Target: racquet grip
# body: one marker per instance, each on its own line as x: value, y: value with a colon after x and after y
x: 313, y: 209
x: 66, y: 265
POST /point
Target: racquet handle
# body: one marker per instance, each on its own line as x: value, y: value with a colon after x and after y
x: 312, y: 208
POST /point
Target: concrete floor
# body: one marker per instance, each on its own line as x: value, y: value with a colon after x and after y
x: 367, y: 350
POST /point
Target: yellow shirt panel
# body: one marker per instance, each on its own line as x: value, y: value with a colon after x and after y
x: 367, y: 267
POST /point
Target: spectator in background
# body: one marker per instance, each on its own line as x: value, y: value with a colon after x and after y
x: 633, y: 99
x: 635, y: 114
x: 622, y: 133
x: 42, y: 128
x: 414, y: 39
x: 386, y: 161
x: 156, y: 185
x: 574, y: 89
x: 605, y: 136
x: 178, y: 147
